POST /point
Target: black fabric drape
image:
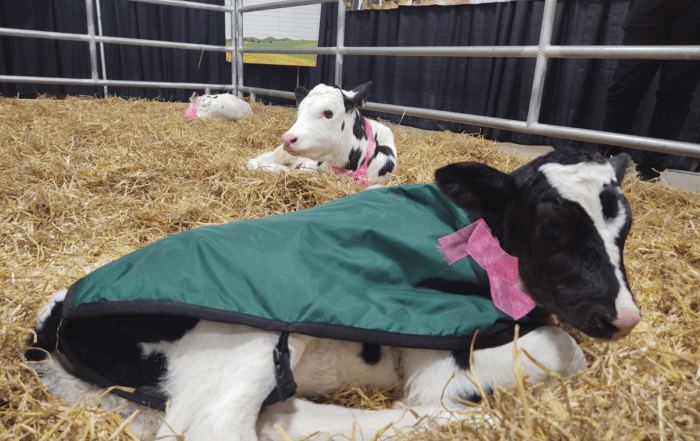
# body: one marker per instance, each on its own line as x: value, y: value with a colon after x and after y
x: 40, y: 57
x: 574, y: 94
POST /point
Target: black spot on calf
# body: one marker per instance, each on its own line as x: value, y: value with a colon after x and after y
x: 474, y: 397
x: 354, y: 159
x: 46, y: 337
x: 608, y: 199
x: 110, y: 345
x: 358, y: 128
x: 371, y: 354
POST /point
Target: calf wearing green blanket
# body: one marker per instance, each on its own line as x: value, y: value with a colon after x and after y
x: 227, y: 320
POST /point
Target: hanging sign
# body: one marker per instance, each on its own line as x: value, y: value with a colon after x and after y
x: 289, y: 27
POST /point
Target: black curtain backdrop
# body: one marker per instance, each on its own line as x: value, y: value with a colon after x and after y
x: 574, y: 95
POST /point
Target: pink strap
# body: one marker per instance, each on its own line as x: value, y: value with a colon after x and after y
x: 477, y: 241
x: 192, y: 111
x: 360, y: 175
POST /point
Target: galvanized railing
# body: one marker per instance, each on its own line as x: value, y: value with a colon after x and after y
x: 542, y: 52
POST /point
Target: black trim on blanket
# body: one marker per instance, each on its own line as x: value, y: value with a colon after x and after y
x: 320, y: 330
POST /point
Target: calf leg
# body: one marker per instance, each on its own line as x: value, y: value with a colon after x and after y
x: 299, y: 419
x: 430, y: 379
x: 218, y: 375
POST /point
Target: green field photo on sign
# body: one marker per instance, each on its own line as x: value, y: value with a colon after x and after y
x: 280, y: 59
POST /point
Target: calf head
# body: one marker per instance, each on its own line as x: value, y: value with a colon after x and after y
x: 329, y: 127
x: 566, y: 220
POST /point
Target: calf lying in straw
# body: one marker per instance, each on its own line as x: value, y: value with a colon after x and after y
x: 563, y: 216
x: 330, y: 132
x: 223, y: 106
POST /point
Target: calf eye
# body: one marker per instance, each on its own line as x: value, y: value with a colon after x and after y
x: 328, y: 114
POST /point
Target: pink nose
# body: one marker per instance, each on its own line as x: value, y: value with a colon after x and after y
x: 290, y: 142
x: 626, y: 321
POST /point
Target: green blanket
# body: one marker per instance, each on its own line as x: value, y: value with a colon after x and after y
x: 357, y: 268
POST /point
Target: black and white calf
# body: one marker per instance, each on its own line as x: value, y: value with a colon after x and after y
x: 330, y: 132
x: 563, y: 215
x: 223, y: 106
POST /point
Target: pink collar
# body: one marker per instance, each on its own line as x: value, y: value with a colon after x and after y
x: 477, y: 241
x: 360, y: 175
x: 192, y: 111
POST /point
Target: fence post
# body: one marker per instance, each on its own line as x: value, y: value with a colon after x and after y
x: 239, y: 43
x: 102, y: 46
x: 91, y: 34
x: 340, y: 44
x: 533, y: 113
x: 233, y: 14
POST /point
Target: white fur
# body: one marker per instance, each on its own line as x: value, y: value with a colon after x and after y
x: 223, y: 106
x: 328, y: 141
x: 582, y: 183
x: 45, y: 311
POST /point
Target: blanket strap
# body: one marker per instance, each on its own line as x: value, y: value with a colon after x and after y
x: 286, y: 387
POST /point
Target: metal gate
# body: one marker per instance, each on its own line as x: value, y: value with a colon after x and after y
x: 542, y: 52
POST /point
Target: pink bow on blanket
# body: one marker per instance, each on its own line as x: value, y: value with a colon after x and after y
x: 360, y: 175
x: 192, y: 111
x: 477, y: 241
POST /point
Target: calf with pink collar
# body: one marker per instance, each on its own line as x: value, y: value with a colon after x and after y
x: 330, y: 132
x: 550, y: 236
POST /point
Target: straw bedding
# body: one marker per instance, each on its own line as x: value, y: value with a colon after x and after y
x: 84, y: 181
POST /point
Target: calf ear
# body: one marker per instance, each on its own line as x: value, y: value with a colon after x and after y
x: 300, y: 92
x: 621, y: 165
x: 476, y: 188
x: 357, y: 96
x: 194, y: 97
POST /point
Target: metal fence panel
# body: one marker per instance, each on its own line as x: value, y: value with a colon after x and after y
x: 542, y: 52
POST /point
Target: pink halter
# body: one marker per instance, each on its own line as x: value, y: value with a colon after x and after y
x: 477, y: 241
x: 360, y: 175
x: 192, y: 111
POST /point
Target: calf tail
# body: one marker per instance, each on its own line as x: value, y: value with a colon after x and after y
x: 46, y: 329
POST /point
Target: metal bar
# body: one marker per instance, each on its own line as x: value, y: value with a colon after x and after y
x: 102, y: 46
x: 111, y: 83
x: 268, y: 92
x: 289, y: 50
x: 340, y: 43
x: 639, y: 142
x: 186, y: 4
x: 628, y: 52
x: 114, y: 40
x: 415, y: 51
x: 239, y: 45
x: 280, y: 5
x: 445, y: 51
x: 533, y: 112
x: 91, y: 35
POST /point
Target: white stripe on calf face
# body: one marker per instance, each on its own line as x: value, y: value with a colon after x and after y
x: 582, y: 183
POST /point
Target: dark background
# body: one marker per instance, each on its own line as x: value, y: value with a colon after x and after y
x: 574, y: 94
